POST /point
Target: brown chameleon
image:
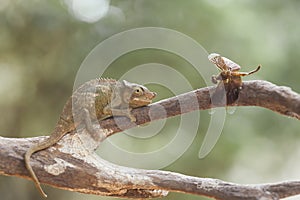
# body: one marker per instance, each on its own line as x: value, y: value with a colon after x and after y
x: 96, y: 99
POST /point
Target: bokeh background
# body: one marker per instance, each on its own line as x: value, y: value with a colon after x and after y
x: 43, y: 43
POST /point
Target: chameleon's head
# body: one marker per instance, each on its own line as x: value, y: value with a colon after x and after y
x: 137, y: 95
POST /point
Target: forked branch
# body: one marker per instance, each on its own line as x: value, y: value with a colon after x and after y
x: 73, y: 165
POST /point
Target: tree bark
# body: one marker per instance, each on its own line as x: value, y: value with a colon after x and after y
x: 73, y: 165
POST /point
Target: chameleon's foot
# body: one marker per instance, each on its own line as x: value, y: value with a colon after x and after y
x: 127, y: 113
x: 132, y: 118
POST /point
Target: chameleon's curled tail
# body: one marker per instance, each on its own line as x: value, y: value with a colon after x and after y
x: 29, y: 168
x: 57, y: 134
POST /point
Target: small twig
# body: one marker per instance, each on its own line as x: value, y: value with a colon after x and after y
x: 73, y: 165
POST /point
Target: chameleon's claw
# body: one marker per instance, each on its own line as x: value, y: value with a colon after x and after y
x: 132, y: 118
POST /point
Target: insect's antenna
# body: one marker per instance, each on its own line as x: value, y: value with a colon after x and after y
x: 253, y: 71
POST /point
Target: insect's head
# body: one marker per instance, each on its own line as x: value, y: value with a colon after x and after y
x: 218, y: 60
x: 214, y: 58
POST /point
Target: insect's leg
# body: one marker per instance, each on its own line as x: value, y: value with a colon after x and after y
x: 248, y: 73
x: 215, y: 79
x: 253, y: 71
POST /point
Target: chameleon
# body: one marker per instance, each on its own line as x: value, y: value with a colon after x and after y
x: 96, y: 99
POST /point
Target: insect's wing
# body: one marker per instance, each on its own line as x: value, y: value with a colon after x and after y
x: 217, y: 60
x: 218, y: 97
x: 231, y: 65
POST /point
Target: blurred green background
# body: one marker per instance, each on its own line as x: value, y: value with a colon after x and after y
x: 43, y: 43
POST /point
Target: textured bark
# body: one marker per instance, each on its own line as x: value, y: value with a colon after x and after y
x: 72, y: 164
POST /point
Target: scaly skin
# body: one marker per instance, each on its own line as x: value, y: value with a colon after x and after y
x: 95, y: 99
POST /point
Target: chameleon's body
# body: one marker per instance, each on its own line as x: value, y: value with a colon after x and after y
x: 94, y: 100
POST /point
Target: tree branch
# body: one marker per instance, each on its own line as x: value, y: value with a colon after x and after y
x: 264, y: 94
x: 73, y: 165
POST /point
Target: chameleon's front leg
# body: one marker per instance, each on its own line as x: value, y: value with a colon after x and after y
x: 126, y: 112
x: 95, y: 133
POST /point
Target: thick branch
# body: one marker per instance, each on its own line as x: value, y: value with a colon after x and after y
x: 73, y: 165
x: 63, y: 168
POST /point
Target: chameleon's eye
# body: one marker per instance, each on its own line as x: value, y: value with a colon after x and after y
x: 138, y: 91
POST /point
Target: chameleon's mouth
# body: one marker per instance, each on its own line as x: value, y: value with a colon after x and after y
x: 143, y: 100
